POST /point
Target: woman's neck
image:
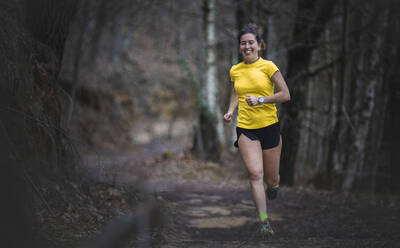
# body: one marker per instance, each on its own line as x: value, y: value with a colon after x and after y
x: 251, y: 61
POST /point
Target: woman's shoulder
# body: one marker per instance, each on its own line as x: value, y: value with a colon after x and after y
x: 267, y: 62
x: 237, y: 66
x: 268, y: 67
x: 235, y: 71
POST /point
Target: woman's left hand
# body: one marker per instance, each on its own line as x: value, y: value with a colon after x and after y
x: 251, y: 100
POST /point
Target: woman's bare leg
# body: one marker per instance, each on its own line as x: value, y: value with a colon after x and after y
x: 252, y: 156
x: 271, y: 160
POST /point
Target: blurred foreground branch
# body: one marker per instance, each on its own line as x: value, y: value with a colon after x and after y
x: 127, y: 227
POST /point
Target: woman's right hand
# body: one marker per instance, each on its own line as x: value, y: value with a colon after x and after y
x: 228, y: 117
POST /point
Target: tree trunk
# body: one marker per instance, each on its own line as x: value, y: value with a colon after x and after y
x: 307, y: 31
x: 49, y: 22
x: 391, y: 137
x: 32, y: 144
x: 210, y: 120
x: 212, y: 69
x: 335, y: 159
x: 382, y: 170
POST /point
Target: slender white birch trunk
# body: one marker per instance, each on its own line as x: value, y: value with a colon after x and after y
x: 211, y: 69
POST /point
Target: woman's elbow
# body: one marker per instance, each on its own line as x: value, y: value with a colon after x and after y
x: 287, y: 97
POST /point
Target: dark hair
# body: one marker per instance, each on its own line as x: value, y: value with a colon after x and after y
x: 250, y: 28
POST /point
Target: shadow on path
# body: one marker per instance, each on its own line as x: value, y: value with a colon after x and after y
x: 210, y: 212
x: 226, y: 218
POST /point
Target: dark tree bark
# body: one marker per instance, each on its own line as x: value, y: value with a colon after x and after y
x: 32, y: 143
x: 49, y: 21
x: 205, y: 145
x: 346, y: 91
x: 340, y: 136
x: 388, y: 159
x: 312, y: 16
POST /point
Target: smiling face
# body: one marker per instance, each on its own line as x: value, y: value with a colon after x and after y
x: 249, y: 48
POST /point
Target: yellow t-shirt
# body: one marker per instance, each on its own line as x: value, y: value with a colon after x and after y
x: 254, y: 79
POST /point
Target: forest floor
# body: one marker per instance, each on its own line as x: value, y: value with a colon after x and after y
x: 207, y: 204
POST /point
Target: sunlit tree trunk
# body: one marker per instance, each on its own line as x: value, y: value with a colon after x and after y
x: 209, y: 135
x: 211, y: 68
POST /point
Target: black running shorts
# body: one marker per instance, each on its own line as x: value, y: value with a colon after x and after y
x: 268, y: 136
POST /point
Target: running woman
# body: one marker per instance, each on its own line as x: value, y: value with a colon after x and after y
x: 258, y: 132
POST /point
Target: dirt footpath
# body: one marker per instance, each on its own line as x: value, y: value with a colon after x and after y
x: 226, y: 218
x: 209, y: 205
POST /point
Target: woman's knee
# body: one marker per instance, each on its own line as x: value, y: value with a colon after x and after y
x: 256, y: 175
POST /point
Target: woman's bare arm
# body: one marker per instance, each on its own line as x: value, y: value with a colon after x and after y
x: 232, y: 106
